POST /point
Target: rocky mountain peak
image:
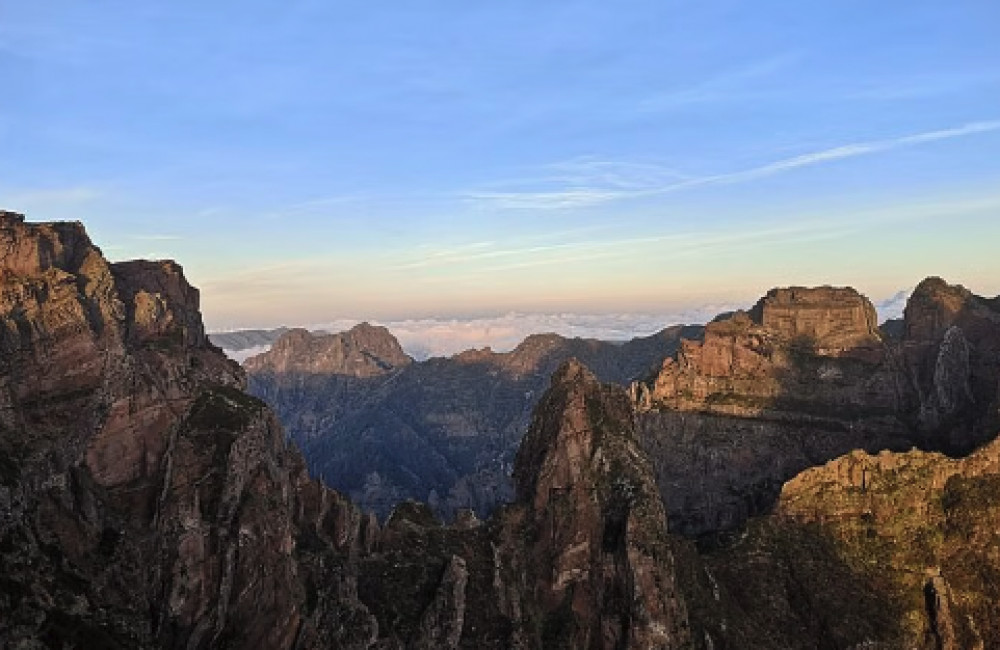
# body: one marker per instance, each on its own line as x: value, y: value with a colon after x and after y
x: 363, y: 351
x: 748, y: 360
x: 557, y: 449
x: 573, y: 371
x: 594, y: 509
x: 935, y: 305
x: 951, y: 344
x: 160, y: 303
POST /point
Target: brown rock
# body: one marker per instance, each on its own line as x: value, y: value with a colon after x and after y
x: 599, y: 566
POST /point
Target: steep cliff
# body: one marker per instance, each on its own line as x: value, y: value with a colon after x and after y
x: 586, y: 542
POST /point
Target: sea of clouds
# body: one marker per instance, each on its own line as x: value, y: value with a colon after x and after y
x: 440, y: 337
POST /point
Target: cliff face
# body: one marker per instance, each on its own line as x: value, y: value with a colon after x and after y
x: 798, y: 351
x: 804, y: 377
x: 101, y: 365
x: 146, y: 501
x: 443, y: 431
x: 951, y: 347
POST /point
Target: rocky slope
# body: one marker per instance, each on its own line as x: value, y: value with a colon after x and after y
x: 927, y: 527
x: 442, y: 430
x: 894, y: 550
x: 806, y: 376
x: 147, y: 502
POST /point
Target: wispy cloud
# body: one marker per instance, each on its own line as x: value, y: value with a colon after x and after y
x: 489, y: 258
x: 472, y: 253
x: 623, y: 180
x: 728, y: 85
x: 555, y: 200
x: 586, y: 171
x: 579, y: 183
x: 156, y: 237
x: 485, y: 258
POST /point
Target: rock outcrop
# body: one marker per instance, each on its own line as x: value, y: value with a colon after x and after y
x: 597, y: 564
x: 363, y: 351
x: 445, y: 431
x: 829, y: 319
x: 146, y: 501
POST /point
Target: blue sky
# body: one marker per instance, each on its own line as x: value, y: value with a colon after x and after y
x: 310, y: 161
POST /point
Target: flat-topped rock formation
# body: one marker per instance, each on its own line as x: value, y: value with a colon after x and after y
x: 828, y: 318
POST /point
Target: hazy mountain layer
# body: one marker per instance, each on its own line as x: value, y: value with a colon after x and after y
x: 382, y: 428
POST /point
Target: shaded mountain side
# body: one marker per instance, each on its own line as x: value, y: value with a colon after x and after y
x: 807, y: 376
x: 443, y: 430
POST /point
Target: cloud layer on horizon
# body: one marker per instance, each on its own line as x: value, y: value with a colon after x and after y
x: 437, y: 337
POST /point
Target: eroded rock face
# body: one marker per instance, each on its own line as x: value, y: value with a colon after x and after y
x: 951, y: 349
x: 828, y: 318
x: 797, y: 350
x: 93, y: 392
x: 802, y: 378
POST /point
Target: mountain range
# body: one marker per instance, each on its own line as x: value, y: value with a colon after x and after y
x: 758, y: 487
x: 382, y: 428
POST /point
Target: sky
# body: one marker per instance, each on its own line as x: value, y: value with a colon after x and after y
x: 314, y: 161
